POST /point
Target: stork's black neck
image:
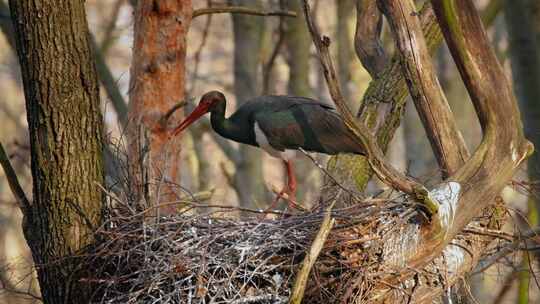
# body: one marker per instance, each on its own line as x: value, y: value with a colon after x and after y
x: 238, y: 130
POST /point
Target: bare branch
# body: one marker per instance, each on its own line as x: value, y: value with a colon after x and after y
x: 13, y: 181
x: 502, y: 150
x: 241, y: 10
x: 384, y: 171
x: 488, y: 261
x: 367, y: 41
x: 445, y: 138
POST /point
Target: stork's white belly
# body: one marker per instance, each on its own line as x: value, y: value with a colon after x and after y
x: 262, y: 141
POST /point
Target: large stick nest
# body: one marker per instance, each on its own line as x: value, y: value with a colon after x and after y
x: 211, y: 258
x: 206, y: 254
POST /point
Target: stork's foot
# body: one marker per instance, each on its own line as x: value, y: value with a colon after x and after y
x: 288, y: 196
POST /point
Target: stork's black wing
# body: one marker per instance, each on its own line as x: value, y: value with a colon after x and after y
x: 293, y: 122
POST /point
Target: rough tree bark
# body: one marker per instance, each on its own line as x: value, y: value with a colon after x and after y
x: 65, y: 125
x: 431, y: 104
x: 248, y: 34
x: 157, y: 84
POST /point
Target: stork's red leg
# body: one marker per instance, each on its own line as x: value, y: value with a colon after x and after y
x: 289, y: 188
x: 291, y: 182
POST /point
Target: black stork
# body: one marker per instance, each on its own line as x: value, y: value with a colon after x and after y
x: 280, y: 125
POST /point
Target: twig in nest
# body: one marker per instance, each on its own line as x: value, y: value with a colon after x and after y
x: 311, y: 257
x: 240, y: 10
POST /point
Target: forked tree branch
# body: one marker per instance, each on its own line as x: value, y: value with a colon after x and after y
x: 384, y: 171
x: 484, y: 175
x: 383, y: 103
x: 503, y: 146
x: 431, y: 104
x: 382, y: 107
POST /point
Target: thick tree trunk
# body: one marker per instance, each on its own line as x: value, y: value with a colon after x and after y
x: 65, y: 125
x: 248, y: 35
x: 157, y: 84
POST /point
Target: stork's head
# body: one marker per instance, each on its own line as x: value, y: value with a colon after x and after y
x: 209, y: 102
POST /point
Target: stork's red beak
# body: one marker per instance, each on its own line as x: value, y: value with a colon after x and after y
x: 199, y: 111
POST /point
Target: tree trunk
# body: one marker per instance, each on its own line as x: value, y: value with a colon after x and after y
x: 157, y: 84
x: 65, y: 125
x: 248, y: 35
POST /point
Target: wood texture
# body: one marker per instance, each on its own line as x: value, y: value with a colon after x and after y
x: 384, y: 171
x: 431, y: 104
x: 157, y: 83
x: 65, y: 124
